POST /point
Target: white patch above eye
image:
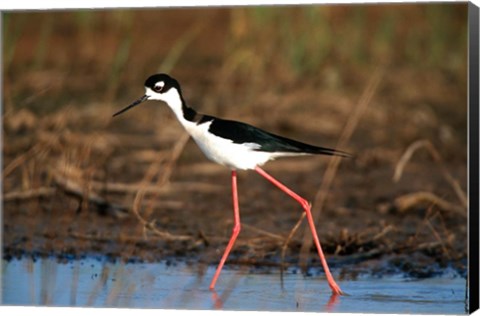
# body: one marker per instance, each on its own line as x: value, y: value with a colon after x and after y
x: 160, y: 84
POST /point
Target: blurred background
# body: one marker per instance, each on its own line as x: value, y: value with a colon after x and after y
x: 77, y: 182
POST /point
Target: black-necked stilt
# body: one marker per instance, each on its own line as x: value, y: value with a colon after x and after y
x: 238, y: 146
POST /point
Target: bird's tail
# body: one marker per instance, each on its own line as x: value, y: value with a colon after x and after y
x: 326, y: 151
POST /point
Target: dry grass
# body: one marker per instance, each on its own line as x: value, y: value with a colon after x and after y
x: 439, y: 161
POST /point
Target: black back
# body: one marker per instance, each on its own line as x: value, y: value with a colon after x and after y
x: 241, y: 133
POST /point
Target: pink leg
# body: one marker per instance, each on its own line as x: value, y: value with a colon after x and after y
x: 236, y: 229
x: 306, y: 206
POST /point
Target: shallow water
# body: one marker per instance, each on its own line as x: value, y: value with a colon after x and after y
x: 91, y: 282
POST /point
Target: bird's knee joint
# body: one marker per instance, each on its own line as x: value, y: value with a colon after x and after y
x: 306, y: 205
x: 236, y: 229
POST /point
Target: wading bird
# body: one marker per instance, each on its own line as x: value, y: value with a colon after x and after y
x: 238, y: 146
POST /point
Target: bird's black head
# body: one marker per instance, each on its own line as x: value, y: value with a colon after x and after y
x: 161, y: 83
x: 157, y: 87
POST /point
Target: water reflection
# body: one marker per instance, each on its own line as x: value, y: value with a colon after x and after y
x: 96, y: 283
x: 332, y: 302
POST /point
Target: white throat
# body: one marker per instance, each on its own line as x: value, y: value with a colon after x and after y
x: 171, y: 98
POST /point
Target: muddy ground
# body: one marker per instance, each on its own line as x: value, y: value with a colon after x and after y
x: 77, y: 182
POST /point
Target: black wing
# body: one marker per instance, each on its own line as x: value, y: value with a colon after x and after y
x: 241, y: 133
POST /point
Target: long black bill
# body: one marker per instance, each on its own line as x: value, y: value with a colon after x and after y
x: 134, y: 104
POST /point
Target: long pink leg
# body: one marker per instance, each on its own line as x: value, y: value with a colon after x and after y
x: 306, y: 206
x: 236, y: 229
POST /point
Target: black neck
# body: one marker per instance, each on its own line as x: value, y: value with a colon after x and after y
x: 188, y: 113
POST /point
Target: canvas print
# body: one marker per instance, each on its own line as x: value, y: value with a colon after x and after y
x: 308, y: 158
